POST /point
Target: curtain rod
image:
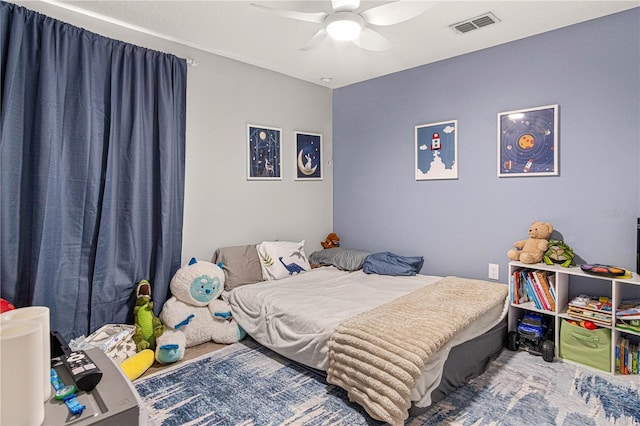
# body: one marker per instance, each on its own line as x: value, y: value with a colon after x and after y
x: 190, y: 61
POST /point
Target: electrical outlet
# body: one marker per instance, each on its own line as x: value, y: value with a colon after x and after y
x: 494, y: 271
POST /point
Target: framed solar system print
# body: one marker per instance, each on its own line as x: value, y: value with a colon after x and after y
x: 528, y: 142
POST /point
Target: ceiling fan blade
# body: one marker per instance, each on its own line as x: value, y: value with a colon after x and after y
x: 372, y: 40
x: 342, y: 5
x: 396, y: 12
x: 315, y: 17
x: 318, y: 38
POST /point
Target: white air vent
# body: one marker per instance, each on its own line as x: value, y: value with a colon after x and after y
x: 475, y: 23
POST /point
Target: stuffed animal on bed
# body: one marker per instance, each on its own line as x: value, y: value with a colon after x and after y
x: 533, y: 249
x: 196, y: 310
x: 331, y: 241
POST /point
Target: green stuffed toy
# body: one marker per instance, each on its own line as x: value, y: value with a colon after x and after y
x: 560, y: 253
x: 148, y: 326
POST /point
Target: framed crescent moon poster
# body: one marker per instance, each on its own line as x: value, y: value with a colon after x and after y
x: 308, y: 156
x: 528, y: 142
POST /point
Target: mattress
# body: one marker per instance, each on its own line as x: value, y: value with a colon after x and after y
x: 296, y: 316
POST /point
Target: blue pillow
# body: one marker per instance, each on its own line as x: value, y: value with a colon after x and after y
x: 387, y: 263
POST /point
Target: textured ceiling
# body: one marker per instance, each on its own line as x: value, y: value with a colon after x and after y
x: 240, y: 31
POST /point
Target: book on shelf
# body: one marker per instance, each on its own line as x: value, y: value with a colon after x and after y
x: 531, y: 294
x: 516, y: 290
x: 529, y: 285
x: 627, y: 356
x: 617, y: 360
x: 622, y: 346
x: 629, y: 309
x: 551, y: 279
x: 542, y: 298
x: 522, y: 292
x: 628, y: 316
x: 518, y: 296
x: 629, y: 304
x: 522, y: 295
x: 624, y: 351
x: 512, y: 291
x: 541, y: 279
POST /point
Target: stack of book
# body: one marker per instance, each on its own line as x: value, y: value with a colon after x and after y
x: 596, y: 309
x: 627, y: 355
x: 529, y: 285
x: 628, y: 315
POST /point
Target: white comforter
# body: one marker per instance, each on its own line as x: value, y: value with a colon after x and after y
x: 296, y: 316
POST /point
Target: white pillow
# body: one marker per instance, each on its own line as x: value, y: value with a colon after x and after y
x: 281, y: 259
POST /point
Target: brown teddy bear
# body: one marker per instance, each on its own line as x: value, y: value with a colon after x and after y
x: 533, y: 249
x: 332, y: 241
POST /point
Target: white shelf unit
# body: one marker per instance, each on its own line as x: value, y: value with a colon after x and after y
x: 616, y: 289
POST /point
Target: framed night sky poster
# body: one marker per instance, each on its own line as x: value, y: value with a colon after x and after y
x: 528, y: 142
x: 264, y: 153
x: 309, y: 156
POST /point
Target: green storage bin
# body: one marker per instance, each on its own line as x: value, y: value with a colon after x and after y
x: 588, y: 347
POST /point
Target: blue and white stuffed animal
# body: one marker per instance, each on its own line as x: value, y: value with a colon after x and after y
x: 196, y: 310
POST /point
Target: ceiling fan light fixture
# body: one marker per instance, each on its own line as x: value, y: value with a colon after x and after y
x: 344, y: 26
x: 344, y: 30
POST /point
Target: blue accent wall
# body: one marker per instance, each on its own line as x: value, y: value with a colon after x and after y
x: 591, y: 70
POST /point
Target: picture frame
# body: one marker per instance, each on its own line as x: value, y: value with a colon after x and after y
x: 264, y: 152
x: 436, y: 150
x: 528, y: 142
x: 308, y: 156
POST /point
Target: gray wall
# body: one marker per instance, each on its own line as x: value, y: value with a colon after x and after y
x: 221, y: 206
x: 591, y: 70
x: 223, y: 96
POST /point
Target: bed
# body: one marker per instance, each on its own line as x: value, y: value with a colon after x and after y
x: 322, y: 317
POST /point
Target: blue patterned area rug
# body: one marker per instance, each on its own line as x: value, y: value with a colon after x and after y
x: 247, y: 384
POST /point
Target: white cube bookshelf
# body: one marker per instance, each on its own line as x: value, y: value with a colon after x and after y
x: 616, y: 289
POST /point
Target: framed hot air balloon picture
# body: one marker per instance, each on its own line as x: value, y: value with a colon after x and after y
x: 528, y: 142
x: 308, y: 156
x: 436, y: 150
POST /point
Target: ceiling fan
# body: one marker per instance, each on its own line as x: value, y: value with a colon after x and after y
x: 346, y: 23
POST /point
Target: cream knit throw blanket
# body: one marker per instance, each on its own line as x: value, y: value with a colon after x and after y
x: 378, y: 355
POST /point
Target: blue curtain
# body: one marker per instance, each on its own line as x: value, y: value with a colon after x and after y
x: 92, y: 170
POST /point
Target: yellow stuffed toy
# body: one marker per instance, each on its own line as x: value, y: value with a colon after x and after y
x: 533, y: 249
x: 134, y: 366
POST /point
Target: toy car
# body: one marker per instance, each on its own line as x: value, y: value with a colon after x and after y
x: 534, y: 335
